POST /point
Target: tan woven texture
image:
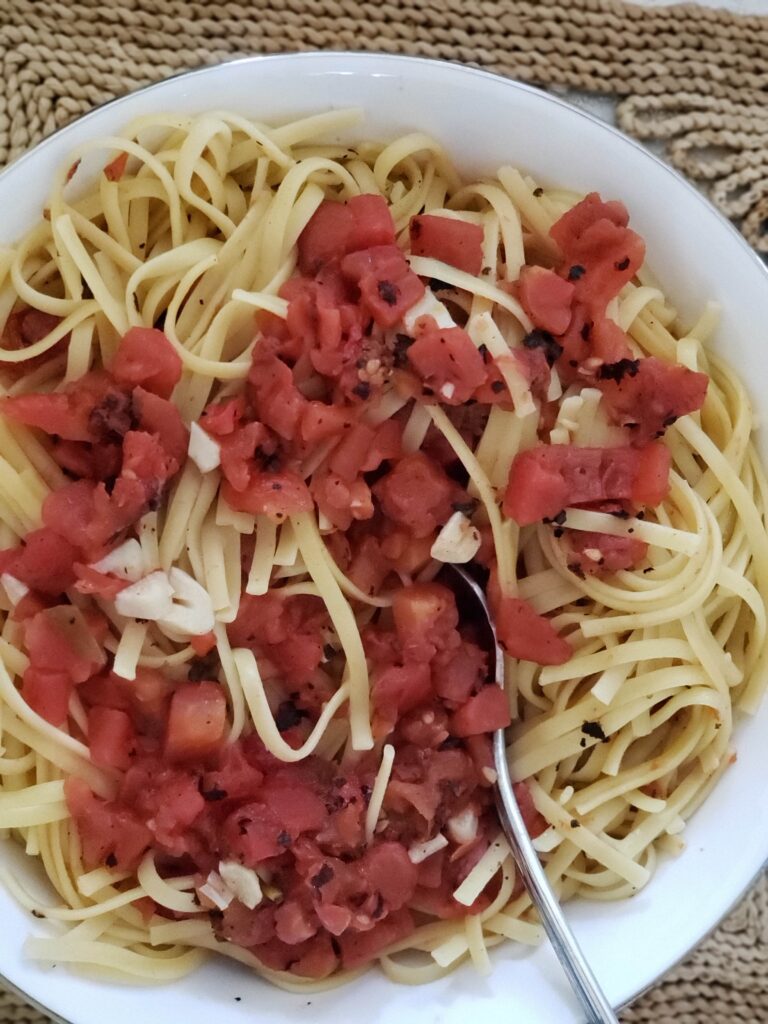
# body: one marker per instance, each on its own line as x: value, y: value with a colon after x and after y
x: 692, y: 78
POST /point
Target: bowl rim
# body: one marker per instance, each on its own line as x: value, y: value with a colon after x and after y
x: 361, y: 58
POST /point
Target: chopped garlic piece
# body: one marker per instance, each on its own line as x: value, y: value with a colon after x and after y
x: 191, y: 608
x: 428, y: 305
x: 447, y: 391
x: 217, y: 891
x: 458, y: 541
x: 14, y: 588
x: 462, y: 828
x: 420, y: 851
x: 243, y: 882
x: 203, y: 450
x: 126, y: 561
x: 148, y: 598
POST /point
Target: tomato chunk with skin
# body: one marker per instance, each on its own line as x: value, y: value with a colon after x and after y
x: 196, y: 721
x: 648, y: 395
x: 45, y: 562
x: 157, y: 415
x: 146, y: 357
x: 416, y: 494
x: 600, y: 553
x: 449, y: 240
x: 111, y: 738
x: 388, y: 286
x: 58, y: 639
x: 546, y: 298
x: 336, y: 229
x: 425, y: 617
x: 109, y: 833
x: 486, y: 711
x: 546, y: 479
x: 274, y: 494
x: 523, y: 633
x: 48, y: 693
x: 448, y: 362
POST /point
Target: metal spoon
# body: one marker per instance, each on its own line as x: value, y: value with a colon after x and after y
x: 473, y: 607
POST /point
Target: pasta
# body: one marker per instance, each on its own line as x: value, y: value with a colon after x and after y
x: 257, y: 388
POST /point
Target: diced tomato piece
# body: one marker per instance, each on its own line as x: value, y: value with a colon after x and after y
x: 523, y: 633
x: 44, y: 562
x: 458, y: 673
x: 99, y: 584
x: 115, y: 169
x: 279, y: 403
x: 425, y: 617
x: 449, y: 240
x: 111, y: 738
x: 196, y: 721
x: 146, y: 459
x: 274, y: 494
x: 613, y: 553
x: 546, y: 298
x: 53, y: 413
x: 535, y: 822
x: 321, y: 421
x: 336, y: 229
x: 288, y: 631
x: 448, y: 362
x: 47, y: 693
x: 648, y: 395
x: 388, y: 287
x: 359, y: 948
x: 89, y: 409
x: 157, y: 415
x: 203, y: 644
x: 342, y: 502
x: 295, y: 805
x: 351, y: 453
x: 416, y: 494
x: 109, y: 834
x: 98, y: 461
x: 238, y: 450
x: 58, y: 639
x: 546, y: 479
x: 145, y: 356
x: 251, y: 834
x: 221, y: 418
x: 397, y: 690
x: 486, y: 711
x: 388, y: 871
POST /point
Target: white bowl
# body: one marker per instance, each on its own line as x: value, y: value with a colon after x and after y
x: 484, y: 121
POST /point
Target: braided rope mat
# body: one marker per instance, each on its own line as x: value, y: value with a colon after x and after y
x: 689, y: 77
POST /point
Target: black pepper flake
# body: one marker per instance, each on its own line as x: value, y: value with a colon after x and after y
x: 574, y: 823
x: 242, y: 826
x: 586, y: 330
x: 582, y: 742
x: 577, y: 571
x: 387, y: 292
x: 483, y: 350
x: 538, y: 192
x: 427, y: 391
x: 206, y: 667
x: 497, y: 386
x: 622, y: 264
x: 558, y: 532
x: 631, y: 529
x: 38, y: 914
x: 669, y: 420
x: 238, y: 999
x: 362, y: 390
x: 560, y: 517
x: 576, y: 272
x: 545, y: 341
x: 402, y: 343
x: 213, y: 794
x: 276, y: 486
x: 649, y: 569
x: 640, y: 515
x: 618, y: 370
x: 323, y: 876
x: 283, y: 839
x: 595, y: 730
x: 288, y: 716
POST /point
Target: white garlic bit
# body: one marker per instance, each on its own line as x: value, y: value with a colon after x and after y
x: 203, y: 450
x: 462, y: 828
x: 14, y: 588
x: 458, y: 541
x: 217, y: 891
x: 191, y: 609
x: 148, y: 598
x: 243, y: 882
x: 125, y: 561
x: 420, y: 851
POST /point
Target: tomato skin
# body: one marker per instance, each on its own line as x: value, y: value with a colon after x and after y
x: 203, y: 644
x: 146, y: 357
x: 278, y: 402
x: 448, y: 362
x: 449, y: 240
x: 94, y: 583
x: 651, y: 484
x: 546, y: 298
x: 274, y: 494
x: 58, y: 639
x: 115, y: 169
x: 616, y: 553
x: 157, y: 415
x: 221, y: 418
x: 336, y: 229
x: 525, y: 634
x: 484, y: 712
x: 196, y: 721
x: 48, y: 693
x: 111, y: 738
x: 535, y: 822
x: 44, y: 562
x: 416, y: 494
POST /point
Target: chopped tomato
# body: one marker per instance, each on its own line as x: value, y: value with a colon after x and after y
x: 340, y: 501
x: 425, y: 617
x: 535, y: 822
x: 398, y: 689
x: 111, y: 738
x: 449, y: 240
x: 351, y: 454
x: 273, y: 494
x: 145, y: 356
x: 448, y: 363
x: 44, y: 562
x: 146, y: 459
x: 59, y: 639
x: 486, y: 711
x: 115, y: 169
x: 648, y: 395
x: 336, y: 229
x: 287, y: 631
x: 600, y: 553
x: 279, y: 403
x: 238, y: 451
x: 523, y: 633
x: 388, y: 287
x: 546, y: 298
x: 416, y: 494
x: 321, y: 421
x: 108, y: 833
x: 546, y: 479
x: 47, y: 693
x: 157, y: 415
x: 296, y: 806
x: 458, y: 673
x: 221, y: 418
x: 196, y: 721
x: 98, y: 584
x: 203, y: 644
x: 85, y: 410
x: 359, y: 948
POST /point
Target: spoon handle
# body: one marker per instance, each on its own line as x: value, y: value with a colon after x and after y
x: 583, y: 981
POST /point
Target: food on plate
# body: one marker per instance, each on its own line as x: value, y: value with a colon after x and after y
x: 257, y: 389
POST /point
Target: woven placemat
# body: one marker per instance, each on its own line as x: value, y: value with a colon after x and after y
x: 692, y: 78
